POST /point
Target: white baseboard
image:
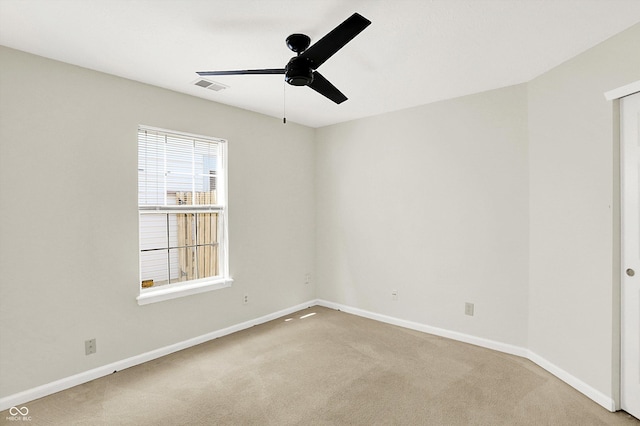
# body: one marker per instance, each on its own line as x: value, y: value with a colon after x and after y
x: 454, y: 335
x: 84, y: 377
x: 595, y: 395
x: 77, y: 379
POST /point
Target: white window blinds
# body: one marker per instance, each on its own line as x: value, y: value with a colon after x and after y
x: 169, y: 164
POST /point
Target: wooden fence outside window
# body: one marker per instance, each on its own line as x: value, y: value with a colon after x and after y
x: 197, y: 237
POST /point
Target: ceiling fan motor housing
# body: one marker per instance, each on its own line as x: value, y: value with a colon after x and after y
x: 299, y: 71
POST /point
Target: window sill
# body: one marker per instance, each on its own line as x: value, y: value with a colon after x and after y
x: 174, y: 291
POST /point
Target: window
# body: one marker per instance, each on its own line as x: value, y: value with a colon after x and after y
x: 182, y: 214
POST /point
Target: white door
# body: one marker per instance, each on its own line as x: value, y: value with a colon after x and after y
x: 630, y: 292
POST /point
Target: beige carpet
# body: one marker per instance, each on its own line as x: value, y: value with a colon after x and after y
x: 330, y: 368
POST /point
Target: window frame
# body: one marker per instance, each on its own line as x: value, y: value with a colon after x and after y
x: 201, y: 285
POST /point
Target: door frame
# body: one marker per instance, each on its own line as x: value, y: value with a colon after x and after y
x: 615, y: 95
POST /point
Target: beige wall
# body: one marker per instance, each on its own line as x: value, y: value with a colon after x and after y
x: 433, y: 202
x: 68, y: 203
x: 573, y: 237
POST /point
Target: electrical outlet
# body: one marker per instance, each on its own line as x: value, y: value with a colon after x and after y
x: 307, y: 279
x: 90, y: 347
x: 245, y: 299
x: 468, y: 309
x: 394, y: 294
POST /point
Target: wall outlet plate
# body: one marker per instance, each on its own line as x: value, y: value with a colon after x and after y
x: 468, y: 309
x: 394, y: 294
x: 90, y: 346
x: 245, y: 299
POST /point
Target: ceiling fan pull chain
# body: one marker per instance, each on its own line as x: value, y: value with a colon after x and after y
x: 284, y: 102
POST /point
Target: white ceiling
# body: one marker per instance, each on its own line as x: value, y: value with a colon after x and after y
x: 414, y: 52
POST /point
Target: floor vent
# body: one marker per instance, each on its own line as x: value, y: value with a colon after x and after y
x: 211, y: 85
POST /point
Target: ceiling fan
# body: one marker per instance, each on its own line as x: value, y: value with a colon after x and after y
x: 301, y: 69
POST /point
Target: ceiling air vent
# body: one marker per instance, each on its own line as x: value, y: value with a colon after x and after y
x: 211, y: 85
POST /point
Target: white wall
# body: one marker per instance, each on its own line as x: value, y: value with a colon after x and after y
x: 506, y: 199
x: 574, y: 237
x: 68, y: 203
x: 433, y: 202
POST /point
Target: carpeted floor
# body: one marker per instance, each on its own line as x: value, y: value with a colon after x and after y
x: 330, y: 368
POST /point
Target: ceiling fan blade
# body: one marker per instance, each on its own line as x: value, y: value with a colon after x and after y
x: 325, y: 88
x: 243, y: 72
x: 335, y: 40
